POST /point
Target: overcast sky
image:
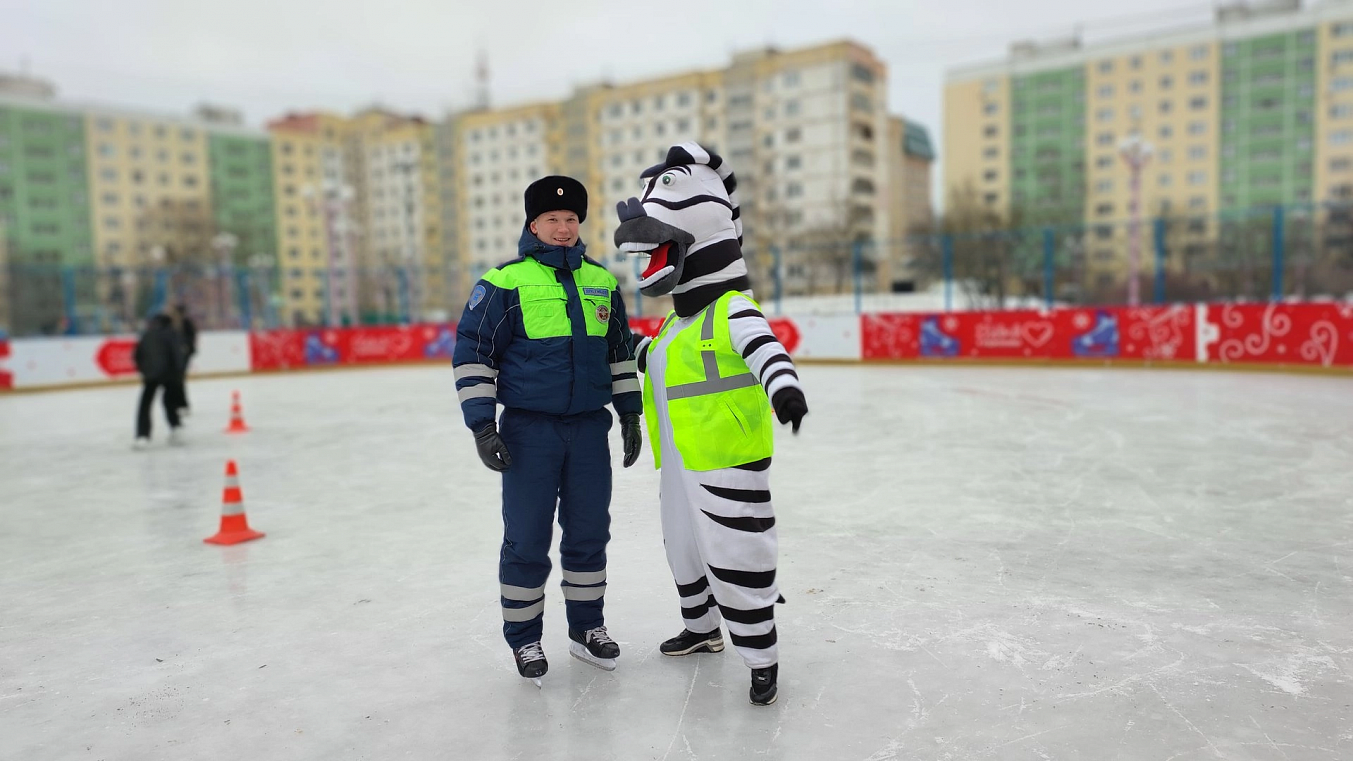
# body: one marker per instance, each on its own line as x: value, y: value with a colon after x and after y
x: 269, y: 56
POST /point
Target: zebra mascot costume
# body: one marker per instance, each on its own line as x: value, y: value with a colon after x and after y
x: 708, y: 376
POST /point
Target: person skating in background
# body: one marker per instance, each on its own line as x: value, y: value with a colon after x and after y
x: 186, y: 330
x: 546, y: 336
x: 159, y: 360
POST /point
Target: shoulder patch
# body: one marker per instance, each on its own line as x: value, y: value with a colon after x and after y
x: 477, y: 296
x: 600, y: 292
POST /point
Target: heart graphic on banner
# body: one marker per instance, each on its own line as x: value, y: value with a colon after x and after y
x: 1037, y: 333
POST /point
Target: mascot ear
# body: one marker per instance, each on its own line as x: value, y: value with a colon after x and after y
x: 684, y: 154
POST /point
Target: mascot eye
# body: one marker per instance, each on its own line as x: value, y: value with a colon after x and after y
x: 668, y: 179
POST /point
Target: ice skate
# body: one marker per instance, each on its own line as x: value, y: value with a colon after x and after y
x: 764, y: 689
x: 594, y: 647
x: 141, y: 443
x: 688, y: 642
x: 176, y: 437
x: 531, y: 663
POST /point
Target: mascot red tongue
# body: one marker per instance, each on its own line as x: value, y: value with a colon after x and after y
x: 657, y: 259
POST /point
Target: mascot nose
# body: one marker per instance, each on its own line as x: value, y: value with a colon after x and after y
x: 630, y: 209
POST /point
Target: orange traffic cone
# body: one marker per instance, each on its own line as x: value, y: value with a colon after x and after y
x: 234, y: 524
x: 236, y: 415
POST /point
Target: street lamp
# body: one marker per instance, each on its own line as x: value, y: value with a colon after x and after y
x: 1136, y: 153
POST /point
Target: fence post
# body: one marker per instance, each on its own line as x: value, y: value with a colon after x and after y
x: 1160, y: 261
x: 778, y: 275
x: 1049, y: 250
x: 857, y: 259
x: 1278, y: 243
x: 68, y: 297
x: 947, y: 247
x: 161, y: 292
x: 243, y: 294
x: 403, y: 296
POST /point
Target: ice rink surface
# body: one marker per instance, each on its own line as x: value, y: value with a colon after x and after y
x: 979, y: 563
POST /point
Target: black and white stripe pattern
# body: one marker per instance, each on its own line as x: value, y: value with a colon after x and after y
x: 765, y: 356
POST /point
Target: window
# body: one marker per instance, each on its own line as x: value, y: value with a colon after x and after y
x: 1104, y: 114
x: 1341, y: 164
x: 1135, y: 112
x: 1198, y: 52
x: 105, y: 125
x: 1166, y: 106
x: 1166, y: 82
x: 793, y: 162
x: 861, y: 102
x: 989, y: 131
x: 1341, y: 137
x: 1198, y: 103
x: 1104, y: 162
x: 1105, y: 91
x: 861, y: 73
x: 1164, y: 180
x: 794, y: 190
x: 106, y: 150
x: 991, y: 198
x: 1135, y: 86
x: 1197, y: 178
x: 1105, y: 67
x: 793, y: 135
x: 1104, y: 209
x: 1197, y: 152
x: 1341, y: 111
x: 1341, y: 56
x: 990, y: 109
x: 990, y: 175
x: 1197, y: 128
x: 1198, y: 78
x: 1104, y: 138
x: 1165, y: 131
x: 991, y: 153
x: 109, y: 174
x: 187, y: 133
x: 1104, y: 186
x: 1135, y: 62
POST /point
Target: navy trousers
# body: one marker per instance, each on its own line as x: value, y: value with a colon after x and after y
x: 563, y: 462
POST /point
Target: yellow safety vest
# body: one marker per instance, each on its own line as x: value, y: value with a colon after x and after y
x: 719, y: 413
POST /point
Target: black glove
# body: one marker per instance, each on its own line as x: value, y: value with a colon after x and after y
x: 790, y: 406
x: 491, y: 448
x: 632, y: 438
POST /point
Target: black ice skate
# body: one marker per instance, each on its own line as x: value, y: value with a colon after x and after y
x: 764, y: 691
x: 594, y: 647
x: 531, y: 662
x: 688, y: 642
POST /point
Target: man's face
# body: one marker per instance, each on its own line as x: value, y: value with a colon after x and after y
x: 556, y: 228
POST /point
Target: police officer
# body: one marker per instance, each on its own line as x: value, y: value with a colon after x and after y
x: 546, y: 336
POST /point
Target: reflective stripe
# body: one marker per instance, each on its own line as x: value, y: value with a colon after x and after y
x: 475, y: 371
x: 584, y: 594
x: 628, y: 366
x: 711, y: 362
x: 707, y: 327
x: 481, y: 391
x: 232, y: 508
x: 521, y: 594
x: 232, y: 482
x: 584, y: 577
x: 517, y: 615
x: 716, y: 386
x: 625, y: 386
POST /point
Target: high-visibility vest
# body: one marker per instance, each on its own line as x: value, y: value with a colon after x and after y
x: 544, y: 301
x: 719, y: 412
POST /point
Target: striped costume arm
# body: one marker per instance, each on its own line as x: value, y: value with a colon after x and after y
x: 760, y: 349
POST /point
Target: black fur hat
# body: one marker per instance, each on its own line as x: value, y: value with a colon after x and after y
x: 555, y: 193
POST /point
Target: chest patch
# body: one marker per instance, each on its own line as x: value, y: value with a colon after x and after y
x: 603, y: 313
x: 604, y: 293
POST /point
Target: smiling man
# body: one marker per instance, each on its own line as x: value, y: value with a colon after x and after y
x: 546, y: 336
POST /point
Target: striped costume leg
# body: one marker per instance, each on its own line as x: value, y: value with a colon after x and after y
x: 734, y: 524
x: 699, y: 612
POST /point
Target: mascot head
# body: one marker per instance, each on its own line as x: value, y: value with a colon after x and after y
x: 687, y: 224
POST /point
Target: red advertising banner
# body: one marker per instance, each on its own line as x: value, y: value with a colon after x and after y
x: 284, y: 349
x: 117, y: 357
x: 6, y: 377
x: 1317, y: 335
x: 1148, y: 333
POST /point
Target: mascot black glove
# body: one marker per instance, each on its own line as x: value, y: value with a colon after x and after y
x: 491, y: 448
x: 632, y: 438
x: 790, y: 406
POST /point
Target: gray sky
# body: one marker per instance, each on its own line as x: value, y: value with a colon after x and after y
x: 266, y: 57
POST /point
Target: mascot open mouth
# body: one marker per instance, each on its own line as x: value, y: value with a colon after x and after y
x: 664, y: 245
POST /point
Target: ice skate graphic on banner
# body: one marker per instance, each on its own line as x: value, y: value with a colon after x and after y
x: 1101, y: 340
x: 441, y: 343
x: 318, y: 351
x: 935, y: 342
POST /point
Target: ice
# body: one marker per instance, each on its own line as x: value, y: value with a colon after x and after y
x: 990, y: 563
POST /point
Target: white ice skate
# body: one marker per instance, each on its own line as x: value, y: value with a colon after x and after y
x: 141, y: 443
x: 594, y: 647
x: 176, y: 437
